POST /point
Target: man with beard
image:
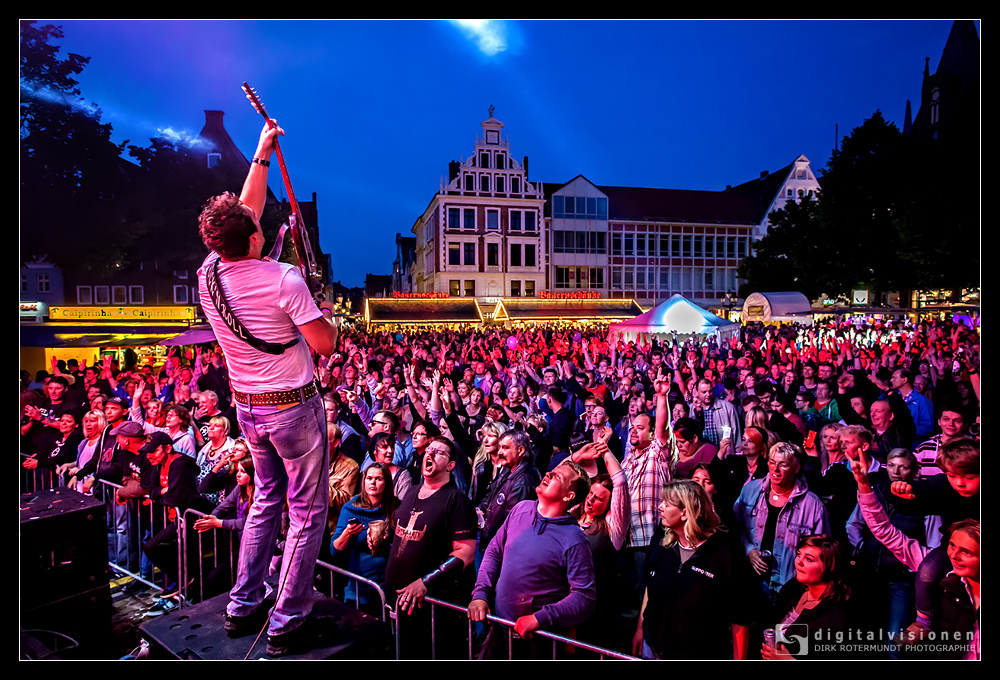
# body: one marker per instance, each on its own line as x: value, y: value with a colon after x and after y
x: 433, y: 543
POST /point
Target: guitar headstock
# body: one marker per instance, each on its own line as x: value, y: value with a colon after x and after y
x: 255, y: 101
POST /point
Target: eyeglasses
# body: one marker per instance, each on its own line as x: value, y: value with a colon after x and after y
x: 439, y: 452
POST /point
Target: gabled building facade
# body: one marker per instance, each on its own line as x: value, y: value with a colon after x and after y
x: 481, y: 234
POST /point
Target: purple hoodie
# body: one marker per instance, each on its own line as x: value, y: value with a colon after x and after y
x: 549, y: 569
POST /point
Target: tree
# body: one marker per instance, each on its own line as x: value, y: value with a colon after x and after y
x: 883, y: 221
x: 71, y: 172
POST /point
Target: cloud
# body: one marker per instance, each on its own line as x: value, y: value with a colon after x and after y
x: 71, y: 100
x: 489, y: 35
x: 184, y: 138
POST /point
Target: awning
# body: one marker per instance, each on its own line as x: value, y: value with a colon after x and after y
x: 93, y: 335
x: 422, y: 311
x: 536, y: 309
x: 196, y: 335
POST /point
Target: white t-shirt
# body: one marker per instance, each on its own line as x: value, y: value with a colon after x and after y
x: 271, y: 300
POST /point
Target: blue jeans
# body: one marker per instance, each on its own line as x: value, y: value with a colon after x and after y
x: 290, y: 454
x: 901, y: 611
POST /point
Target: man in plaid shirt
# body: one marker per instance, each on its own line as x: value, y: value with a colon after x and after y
x: 647, y: 469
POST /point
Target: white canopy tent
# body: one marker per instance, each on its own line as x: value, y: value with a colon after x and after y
x: 785, y: 307
x: 676, y: 315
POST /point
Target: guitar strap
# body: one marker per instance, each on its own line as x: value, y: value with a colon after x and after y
x: 225, y: 311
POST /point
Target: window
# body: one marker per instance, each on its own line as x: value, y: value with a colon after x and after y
x: 664, y: 278
x: 515, y: 185
x: 529, y: 289
x: 616, y: 244
x: 515, y: 289
x: 492, y: 219
x: 470, y: 289
x: 664, y: 245
x: 492, y: 254
x: 731, y: 246
x: 180, y: 295
x: 529, y: 221
x: 697, y: 246
x: 135, y: 295
x: 597, y: 277
x: 501, y: 161
x: 675, y: 246
x: 500, y: 184
x: 709, y: 279
x: 102, y: 295
x: 484, y: 182
x: 629, y: 244
x: 454, y: 218
x: 709, y: 246
x: 616, y: 278
x: 484, y: 159
x: 562, y: 277
x: 454, y: 254
x: 44, y: 284
x: 515, y: 220
x: 741, y: 245
x: 470, y: 218
x: 455, y: 288
x: 640, y: 245
x: 470, y: 182
x: 580, y: 207
x: 470, y: 253
x: 686, y: 245
x: 529, y: 254
x: 640, y: 278
x: 84, y: 295
x: 118, y: 295
x: 629, y: 278
x: 515, y: 255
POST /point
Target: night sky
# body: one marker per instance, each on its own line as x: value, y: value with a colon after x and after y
x: 375, y: 110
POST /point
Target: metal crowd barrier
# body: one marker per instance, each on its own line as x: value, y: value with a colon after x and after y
x: 357, y: 579
x: 40, y: 478
x: 129, y: 526
x: 557, y: 640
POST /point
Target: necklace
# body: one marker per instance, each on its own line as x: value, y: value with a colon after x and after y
x: 775, y: 496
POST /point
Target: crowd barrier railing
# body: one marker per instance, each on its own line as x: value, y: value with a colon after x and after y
x: 39, y: 478
x: 357, y: 579
x: 130, y: 524
x: 557, y: 640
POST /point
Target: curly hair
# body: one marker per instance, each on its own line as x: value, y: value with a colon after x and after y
x: 226, y: 227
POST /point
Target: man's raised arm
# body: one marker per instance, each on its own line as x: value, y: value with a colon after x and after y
x: 254, y: 192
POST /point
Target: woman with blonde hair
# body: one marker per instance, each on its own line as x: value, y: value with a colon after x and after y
x: 217, y: 446
x: 684, y: 614
x: 485, y: 465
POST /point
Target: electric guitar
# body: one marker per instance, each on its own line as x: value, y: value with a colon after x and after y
x: 300, y: 237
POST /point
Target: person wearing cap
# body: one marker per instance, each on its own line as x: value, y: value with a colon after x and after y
x: 175, y: 485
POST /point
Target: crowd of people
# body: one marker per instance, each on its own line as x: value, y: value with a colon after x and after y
x: 762, y: 497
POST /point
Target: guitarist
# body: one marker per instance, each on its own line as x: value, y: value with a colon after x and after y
x: 265, y: 319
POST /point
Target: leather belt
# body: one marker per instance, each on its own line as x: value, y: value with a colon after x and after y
x: 277, y: 398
